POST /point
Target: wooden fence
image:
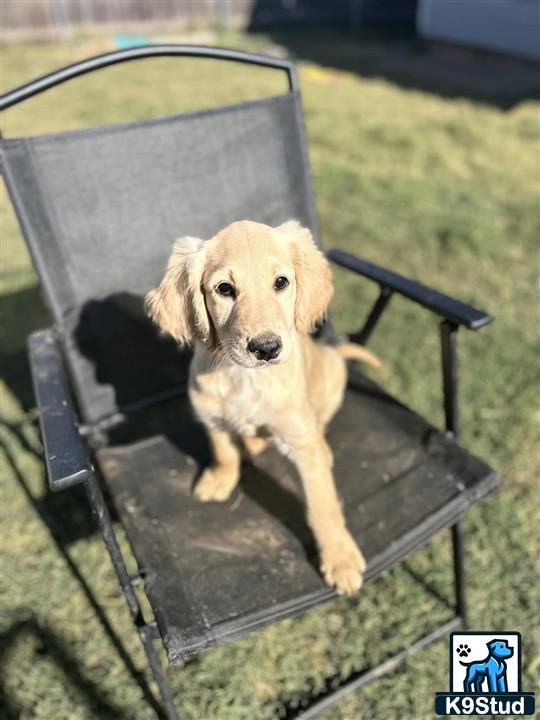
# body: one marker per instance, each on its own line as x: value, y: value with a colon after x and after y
x: 61, y: 17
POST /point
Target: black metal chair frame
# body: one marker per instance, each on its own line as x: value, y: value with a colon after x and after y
x: 68, y: 463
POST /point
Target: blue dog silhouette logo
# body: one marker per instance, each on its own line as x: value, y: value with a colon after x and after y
x: 485, y: 676
x: 491, y: 669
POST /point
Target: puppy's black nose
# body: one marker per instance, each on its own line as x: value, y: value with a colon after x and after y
x: 265, y: 347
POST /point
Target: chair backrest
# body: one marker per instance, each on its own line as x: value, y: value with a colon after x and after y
x: 101, y: 208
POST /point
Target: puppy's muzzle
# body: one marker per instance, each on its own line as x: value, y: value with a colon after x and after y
x: 265, y: 347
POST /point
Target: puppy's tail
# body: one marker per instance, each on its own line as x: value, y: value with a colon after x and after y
x: 351, y: 351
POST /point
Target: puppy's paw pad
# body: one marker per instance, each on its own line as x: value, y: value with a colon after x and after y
x: 463, y: 650
x: 343, y: 568
x: 346, y: 579
x: 213, y: 486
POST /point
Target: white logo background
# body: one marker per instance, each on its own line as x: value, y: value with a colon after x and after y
x: 479, y: 651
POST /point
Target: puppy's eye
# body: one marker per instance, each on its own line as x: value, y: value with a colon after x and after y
x: 280, y: 283
x: 225, y: 289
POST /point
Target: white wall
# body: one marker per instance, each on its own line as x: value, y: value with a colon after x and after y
x: 507, y: 26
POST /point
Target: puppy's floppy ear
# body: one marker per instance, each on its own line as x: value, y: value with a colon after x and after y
x: 314, y: 287
x: 177, y: 306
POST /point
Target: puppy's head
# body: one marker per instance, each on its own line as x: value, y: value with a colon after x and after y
x: 243, y: 293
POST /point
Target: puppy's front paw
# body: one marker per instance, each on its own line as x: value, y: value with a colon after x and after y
x: 215, y: 484
x: 342, y: 565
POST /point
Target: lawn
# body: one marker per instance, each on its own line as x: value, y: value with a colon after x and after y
x: 441, y: 189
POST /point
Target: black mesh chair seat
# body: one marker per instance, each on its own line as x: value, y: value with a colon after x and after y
x: 214, y: 572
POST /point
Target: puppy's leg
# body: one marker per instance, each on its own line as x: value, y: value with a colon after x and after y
x: 326, y: 385
x: 219, y: 480
x: 342, y: 563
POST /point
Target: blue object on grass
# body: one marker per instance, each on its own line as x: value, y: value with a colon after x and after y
x: 124, y: 42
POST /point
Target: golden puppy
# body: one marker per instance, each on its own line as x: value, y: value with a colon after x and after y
x: 247, y: 300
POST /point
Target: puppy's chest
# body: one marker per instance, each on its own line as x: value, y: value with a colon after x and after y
x: 246, y: 406
x: 245, y: 403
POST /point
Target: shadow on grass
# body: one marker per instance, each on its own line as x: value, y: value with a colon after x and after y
x: 21, y: 313
x: 427, y: 586
x: 51, y: 646
x: 406, y: 61
x: 53, y: 511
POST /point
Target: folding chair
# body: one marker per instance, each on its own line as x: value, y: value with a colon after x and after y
x: 100, y: 209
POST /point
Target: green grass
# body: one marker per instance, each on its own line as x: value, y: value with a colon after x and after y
x: 444, y: 190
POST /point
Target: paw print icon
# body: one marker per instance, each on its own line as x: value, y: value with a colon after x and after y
x: 463, y: 650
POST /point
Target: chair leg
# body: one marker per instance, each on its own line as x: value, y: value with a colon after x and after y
x: 167, y: 701
x: 99, y: 507
x: 458, y: 547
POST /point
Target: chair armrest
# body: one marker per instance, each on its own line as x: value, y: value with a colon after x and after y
x: 66, y: 458
x: 457, y: 312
